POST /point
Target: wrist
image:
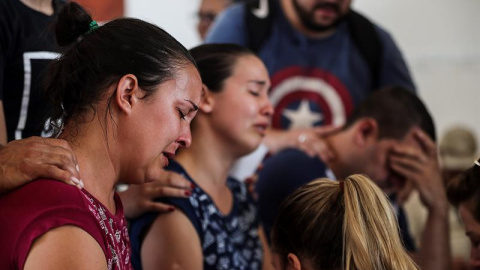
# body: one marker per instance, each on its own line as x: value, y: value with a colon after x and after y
x: 439, y: 209
x: 276, y: 140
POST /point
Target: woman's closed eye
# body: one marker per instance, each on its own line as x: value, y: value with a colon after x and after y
x: 253, y: 92
x: 182, y: 114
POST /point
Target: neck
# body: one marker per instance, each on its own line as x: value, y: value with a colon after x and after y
x: 97, y: 169
x: 294, y: 19
x: 43, y: 6
x: 207, y: 161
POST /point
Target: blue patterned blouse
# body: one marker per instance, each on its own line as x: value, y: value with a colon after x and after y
x: 228, y: 241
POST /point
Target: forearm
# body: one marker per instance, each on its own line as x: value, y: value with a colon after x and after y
x: 24, y: 160
x: 5, y: 183
x: 435, y: 243
x: 275, y: 140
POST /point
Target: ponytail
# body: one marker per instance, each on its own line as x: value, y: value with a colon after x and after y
x: 371, y: 237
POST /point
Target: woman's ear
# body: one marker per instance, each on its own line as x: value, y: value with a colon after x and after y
x: 207, y: 100
x: 366, y: 131
x: 293, y: 262
x: 128, y: 93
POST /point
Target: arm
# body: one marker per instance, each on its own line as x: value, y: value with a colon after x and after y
x: 139, y: 199
x: 229, y: 27
x: 421, y: 169
x: 66, y: 247
x: 267, y: 256
x: 172, y: 243
x: 35, y: 157
x: 309, y: 140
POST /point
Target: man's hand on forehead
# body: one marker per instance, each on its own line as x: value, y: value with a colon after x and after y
x: 418, y: 163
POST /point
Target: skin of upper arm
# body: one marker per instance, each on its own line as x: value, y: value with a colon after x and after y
x: 172, y: 243
x: 267, y: 255
x: 3, y: 126
x: 66, y: 247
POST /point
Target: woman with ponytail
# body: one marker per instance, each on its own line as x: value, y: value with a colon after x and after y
x: 333, y: 225
x: 124, y: 96
x: 464, y: 193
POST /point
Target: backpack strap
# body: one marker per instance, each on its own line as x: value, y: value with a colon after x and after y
x: 365, y: 36
x: 258, y: 17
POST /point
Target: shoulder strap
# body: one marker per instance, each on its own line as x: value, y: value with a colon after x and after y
x: 258, y: 17
x: 366, y: 38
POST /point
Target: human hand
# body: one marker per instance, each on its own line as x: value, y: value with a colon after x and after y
x: 420, y: 167
x: 309, y: 140
x: 24, y: 160
x: 139, y: 199
x: 251, y: 181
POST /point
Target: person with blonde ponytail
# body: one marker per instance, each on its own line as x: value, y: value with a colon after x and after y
x: 346, y: 224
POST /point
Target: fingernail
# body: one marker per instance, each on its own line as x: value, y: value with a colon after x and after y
x: 188, y: 193
x: 171, y: 209
x: 192, y: 186
x: 77, y: 182
x: 78, y: 168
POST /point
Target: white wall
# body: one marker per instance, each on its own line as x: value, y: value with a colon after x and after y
x: 440, y: 40
x: 441, y: 43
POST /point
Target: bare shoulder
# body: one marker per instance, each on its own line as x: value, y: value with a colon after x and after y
x: 172, y: 242
x: 66, y: 247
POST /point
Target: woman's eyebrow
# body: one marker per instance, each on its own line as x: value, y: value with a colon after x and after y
x: 195, y: 107
x: 257, y: 82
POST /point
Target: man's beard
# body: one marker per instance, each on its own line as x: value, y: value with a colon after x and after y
x: 308, y: 20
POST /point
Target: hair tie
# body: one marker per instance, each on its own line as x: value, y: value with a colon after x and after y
x: 93, y: 25
x: 341, y: 185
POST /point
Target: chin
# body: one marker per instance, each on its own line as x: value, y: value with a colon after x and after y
x: 248, y: 148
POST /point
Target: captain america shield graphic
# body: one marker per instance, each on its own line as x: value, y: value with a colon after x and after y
x: 307, y: 97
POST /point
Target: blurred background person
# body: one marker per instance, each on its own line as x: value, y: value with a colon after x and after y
x: 207, y: 12
x: 458, y: 147
x: 464, y: 193
x: 27, y: 45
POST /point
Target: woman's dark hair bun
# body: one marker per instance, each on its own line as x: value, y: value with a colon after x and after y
x: 73, y: 21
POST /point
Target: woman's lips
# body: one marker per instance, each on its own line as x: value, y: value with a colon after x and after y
x: 167, y: 156
x: 261, y: 128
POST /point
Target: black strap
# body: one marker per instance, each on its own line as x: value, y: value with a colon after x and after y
x: 363, y: 34
x: 258, y: 28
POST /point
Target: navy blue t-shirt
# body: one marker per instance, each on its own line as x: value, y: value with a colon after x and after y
x: 288, y: 170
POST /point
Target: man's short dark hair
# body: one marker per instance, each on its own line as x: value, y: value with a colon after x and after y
x: 396, y: 111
